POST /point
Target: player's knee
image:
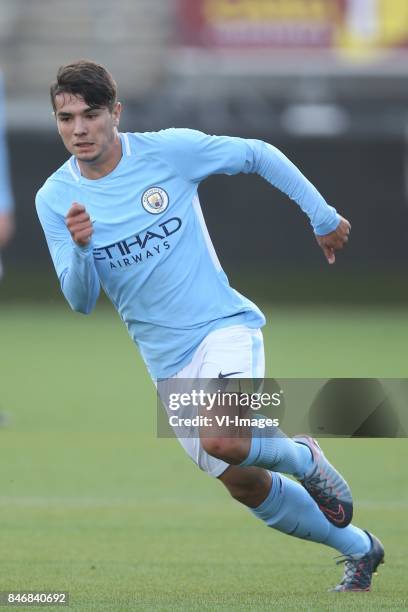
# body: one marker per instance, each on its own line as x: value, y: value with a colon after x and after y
x: 250, y: 493
x: 231, y: 450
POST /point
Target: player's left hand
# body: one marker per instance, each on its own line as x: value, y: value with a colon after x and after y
x: 6, y: 228
x: 330, y: 243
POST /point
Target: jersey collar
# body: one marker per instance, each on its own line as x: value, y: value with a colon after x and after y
x: 74, y: 167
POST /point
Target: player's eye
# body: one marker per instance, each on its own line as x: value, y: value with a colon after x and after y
x: 91, y: 115
x: 64, y: 119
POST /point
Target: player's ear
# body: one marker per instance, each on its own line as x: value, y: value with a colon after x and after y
x: 117, y: 109
x: 56, y: 122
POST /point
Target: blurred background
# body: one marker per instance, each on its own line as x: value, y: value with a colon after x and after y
x: 91, y: 501
x: 324, y: 80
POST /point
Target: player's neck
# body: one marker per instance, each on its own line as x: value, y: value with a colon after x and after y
x: 101, y: 167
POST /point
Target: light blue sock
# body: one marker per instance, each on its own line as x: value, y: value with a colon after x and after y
x: 271, y: 449
x: 289, y: 508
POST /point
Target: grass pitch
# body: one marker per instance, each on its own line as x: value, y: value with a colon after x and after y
x: 93, y: 503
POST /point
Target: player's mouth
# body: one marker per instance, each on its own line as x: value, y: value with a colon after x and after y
x: 83, y: 145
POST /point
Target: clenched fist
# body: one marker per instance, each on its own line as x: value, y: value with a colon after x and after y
x: 79, y: 224
x: 330, y: 243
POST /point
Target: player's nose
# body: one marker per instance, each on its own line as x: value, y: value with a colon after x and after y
x: 79, y: 126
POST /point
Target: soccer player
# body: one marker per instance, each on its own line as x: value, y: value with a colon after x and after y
x: 123, y: 213
x: 6, y: 199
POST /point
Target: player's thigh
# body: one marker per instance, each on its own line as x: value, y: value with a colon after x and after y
x: 233, y: 352
x: 187, y: 434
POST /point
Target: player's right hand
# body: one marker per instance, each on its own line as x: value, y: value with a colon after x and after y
x: 79, y: 224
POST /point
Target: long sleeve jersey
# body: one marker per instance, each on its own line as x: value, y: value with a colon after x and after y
x: 151, y: 251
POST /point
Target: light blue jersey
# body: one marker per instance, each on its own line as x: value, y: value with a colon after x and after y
x: 6, y: 199
x: 150, y: 250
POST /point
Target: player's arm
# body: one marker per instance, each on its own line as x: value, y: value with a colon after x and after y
x: 6, y: 228
x: 331, y: 230
x: 69, y: 242
x: 196, y: 155
x: 6, y: 198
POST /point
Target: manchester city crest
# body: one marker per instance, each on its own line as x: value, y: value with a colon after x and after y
x: 155, y: 200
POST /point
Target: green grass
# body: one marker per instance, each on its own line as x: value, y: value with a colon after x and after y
x: 93, y: 503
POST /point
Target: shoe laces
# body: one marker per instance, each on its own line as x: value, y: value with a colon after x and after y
x: 321, y: 485
x: 355, y: 570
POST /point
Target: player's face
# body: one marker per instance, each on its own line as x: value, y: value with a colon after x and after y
x: 88, y: 133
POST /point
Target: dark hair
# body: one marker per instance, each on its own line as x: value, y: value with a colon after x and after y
x: 87, y: 79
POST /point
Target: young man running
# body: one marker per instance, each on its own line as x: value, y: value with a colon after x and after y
x: 123, y: 213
